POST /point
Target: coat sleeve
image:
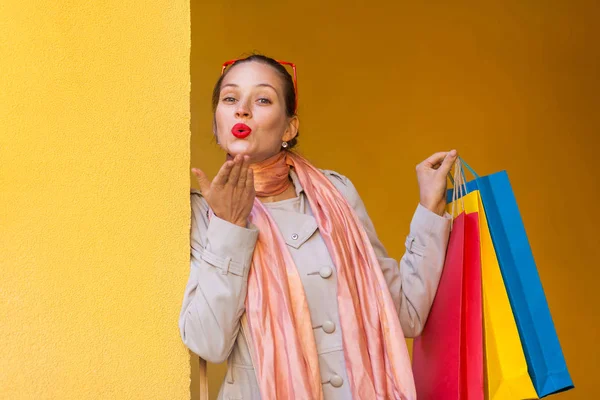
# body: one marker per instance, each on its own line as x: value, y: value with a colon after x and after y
x: 214, y: 296
x: 412, y: 283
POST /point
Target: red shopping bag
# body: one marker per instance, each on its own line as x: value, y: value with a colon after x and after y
x: 448, y: 356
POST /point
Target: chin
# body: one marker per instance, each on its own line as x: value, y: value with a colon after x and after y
x: 239, y: 147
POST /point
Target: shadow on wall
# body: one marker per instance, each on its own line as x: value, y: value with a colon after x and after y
x: 195, y: 376
x: 201, y: 139
x: 198, y: 378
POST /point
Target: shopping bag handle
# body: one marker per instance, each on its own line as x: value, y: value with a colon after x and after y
x: 460, y: 185
x: 468, y: 167
x: 460, y: 189
x: 463, y: 163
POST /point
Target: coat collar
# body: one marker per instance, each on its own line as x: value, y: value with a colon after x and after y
x: 296, y: 182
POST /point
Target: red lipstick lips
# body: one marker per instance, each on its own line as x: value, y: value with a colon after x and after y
x: 241, y: 131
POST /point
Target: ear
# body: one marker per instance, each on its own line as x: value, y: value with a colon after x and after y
x: 292, y: 129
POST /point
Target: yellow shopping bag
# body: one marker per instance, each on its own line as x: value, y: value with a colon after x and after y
x: 506, y: 375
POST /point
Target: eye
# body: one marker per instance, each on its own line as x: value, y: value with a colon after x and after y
x: 229, y: 99
x: 264, y: 100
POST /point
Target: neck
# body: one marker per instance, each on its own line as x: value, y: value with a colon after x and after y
x: 271, y: 178
x: 289, y: 193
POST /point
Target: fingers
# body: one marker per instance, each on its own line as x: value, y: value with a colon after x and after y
x: 448, y: 161
x: 243, y: 172
x: 223, y: 174
x: 250, y: 180
x: 203, y: 180
x: 234, y: 176
x: 434, y: 159
x: 438, y: 159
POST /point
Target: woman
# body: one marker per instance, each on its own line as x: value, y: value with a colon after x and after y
x: 288, y: 280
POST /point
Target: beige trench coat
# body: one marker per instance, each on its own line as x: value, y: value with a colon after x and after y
x: 221, y: 254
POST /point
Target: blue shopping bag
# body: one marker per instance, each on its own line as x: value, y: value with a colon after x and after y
x: 545, y: 361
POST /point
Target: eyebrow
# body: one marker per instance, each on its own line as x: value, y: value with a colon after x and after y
x: 260, y: 85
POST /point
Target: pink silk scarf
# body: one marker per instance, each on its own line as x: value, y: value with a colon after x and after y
x: 283, y: 346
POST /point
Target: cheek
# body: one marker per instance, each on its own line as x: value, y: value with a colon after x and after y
x: 219, y: 118
x: 220, y: 124
x: 272, y: 120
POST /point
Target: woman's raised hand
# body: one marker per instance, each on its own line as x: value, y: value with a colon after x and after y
x: 231, y: 194
x: 432, y: 177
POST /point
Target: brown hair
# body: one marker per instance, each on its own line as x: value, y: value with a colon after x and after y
x: 289, y: 93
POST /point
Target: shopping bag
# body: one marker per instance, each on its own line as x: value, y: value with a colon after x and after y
x: 448, y: 355
x: 545, y: 360
x: 506, y: 376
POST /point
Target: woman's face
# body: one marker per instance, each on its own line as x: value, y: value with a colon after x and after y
x: 252, y: 95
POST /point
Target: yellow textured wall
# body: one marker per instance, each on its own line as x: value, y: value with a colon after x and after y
x: 513, y: 85
x: 94, y: 198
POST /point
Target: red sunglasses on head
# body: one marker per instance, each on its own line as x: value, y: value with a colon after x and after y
x: 230, y: 62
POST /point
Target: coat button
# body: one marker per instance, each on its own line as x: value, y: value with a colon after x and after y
x: 295, y: 236
x: 336, y: 381
x: 325, y: 272
x: 328, y: 327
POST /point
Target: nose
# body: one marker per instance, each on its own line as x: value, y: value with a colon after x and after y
x: 243, y: 110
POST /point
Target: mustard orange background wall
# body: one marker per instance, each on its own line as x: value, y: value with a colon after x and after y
x: 512, y: 85
x: 94, y: 199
